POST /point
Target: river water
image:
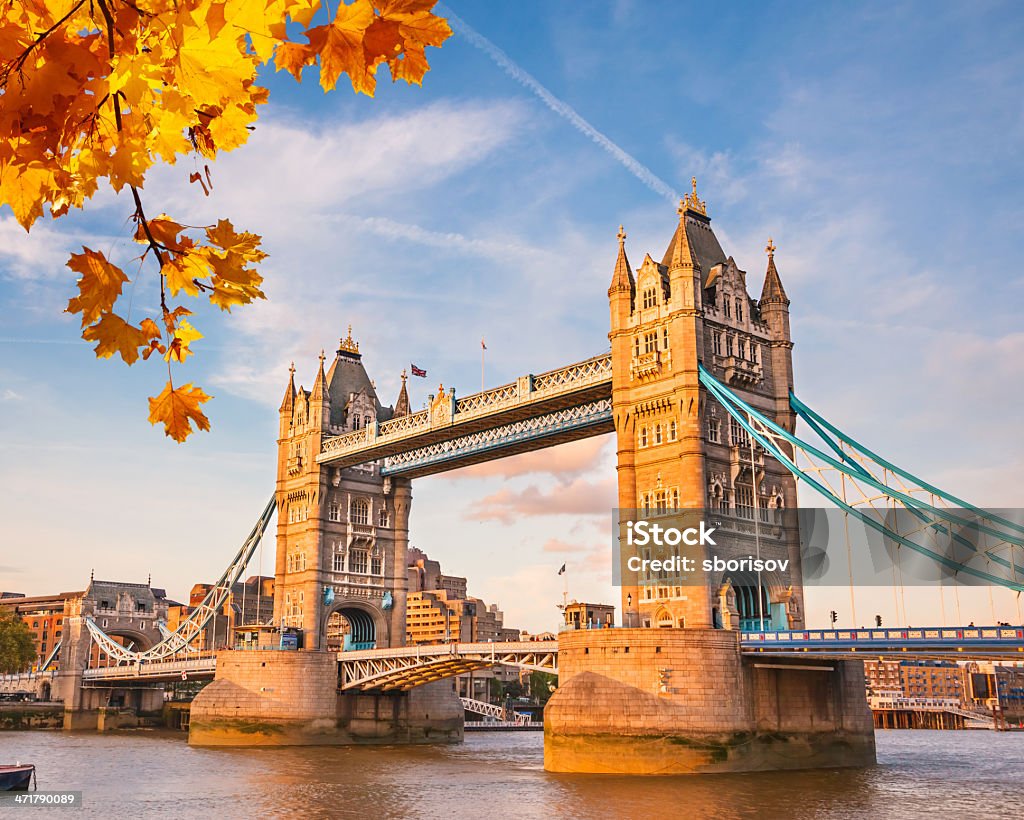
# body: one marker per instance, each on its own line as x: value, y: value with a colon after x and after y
x: 500, y: 775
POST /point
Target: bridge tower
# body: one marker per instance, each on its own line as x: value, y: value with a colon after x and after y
x: 678, y: 449
x: 672, y: 691
x: 342, y: 533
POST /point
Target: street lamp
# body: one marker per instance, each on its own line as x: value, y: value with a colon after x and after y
x: 629, y: 609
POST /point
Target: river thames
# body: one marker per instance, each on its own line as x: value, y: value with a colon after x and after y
x: 141, y: 774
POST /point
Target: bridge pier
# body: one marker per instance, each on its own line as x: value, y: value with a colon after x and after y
x: 678, y: 701
x: 274, y: 698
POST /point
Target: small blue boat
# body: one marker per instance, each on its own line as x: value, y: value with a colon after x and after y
x: 17, y: 778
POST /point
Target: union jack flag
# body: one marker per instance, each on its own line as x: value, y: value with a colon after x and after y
x: 418, y: 371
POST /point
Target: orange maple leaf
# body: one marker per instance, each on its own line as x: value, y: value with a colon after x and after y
x: 340, y: 46
x: 177, y: 409
x: 99, y: 285
x: 114, y: 335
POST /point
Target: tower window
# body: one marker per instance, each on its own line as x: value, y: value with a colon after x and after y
x: 716, y: 343
x: 753, y: 352
x: 739, y: 310
x: 643, y: 436
x: 650, y: 342
x: 729, y: 346
x: 375, y: 565
x: 664, y: 338
x: 714, y: 431
x: 382, y: 517
x: 358, y: 562
x: 741, y: 348
x: 636, y: 345
x: 725, y: 304
x: 737, y: 435
x: 339, y: 562
x: 356, y: 421
x: 333, y: 512
x: 359, y: 512
x: 672, y: 430
x: 650, y: 298
x: 657, y: 434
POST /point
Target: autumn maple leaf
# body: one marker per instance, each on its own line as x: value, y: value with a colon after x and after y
x: 177, y: 409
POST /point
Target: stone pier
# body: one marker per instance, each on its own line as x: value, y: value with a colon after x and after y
x: 681, y: 701
x: 275, y: 698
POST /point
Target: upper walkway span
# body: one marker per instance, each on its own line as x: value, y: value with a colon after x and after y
x: 532, y: 412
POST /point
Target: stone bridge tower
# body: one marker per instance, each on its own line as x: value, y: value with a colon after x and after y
x: 342, y: 534
x: 678, y: 448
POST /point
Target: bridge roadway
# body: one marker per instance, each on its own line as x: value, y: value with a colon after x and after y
x: 405, y: 667
x: 534, y: 411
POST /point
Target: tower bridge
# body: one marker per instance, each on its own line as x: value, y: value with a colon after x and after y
x: 698, y: 391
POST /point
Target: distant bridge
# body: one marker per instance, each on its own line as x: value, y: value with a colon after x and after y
x: 405, y: 667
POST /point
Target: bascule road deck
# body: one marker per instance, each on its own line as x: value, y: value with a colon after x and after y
x: 535, y: 411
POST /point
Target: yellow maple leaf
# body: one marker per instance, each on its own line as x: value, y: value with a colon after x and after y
x: 24, y: 187
x: 184, y: 335
x: 181, y: 271
x: 98, y: 286
x: 114, y: 335
x: 177, y: 409
x: 163, y: 229
x: 225, y: 237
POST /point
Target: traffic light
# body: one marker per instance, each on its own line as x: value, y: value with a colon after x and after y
x: 878, y: 620
x: 833, y: 616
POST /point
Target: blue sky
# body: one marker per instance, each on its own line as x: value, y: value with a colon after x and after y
x: 879, y: 144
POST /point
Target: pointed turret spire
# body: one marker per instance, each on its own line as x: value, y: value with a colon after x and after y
x: 402, y: 405
x: 622, y: 277
x: 289, y: 392
x: 682, y: 254
x: 320, y: 391
x: 772, y: 290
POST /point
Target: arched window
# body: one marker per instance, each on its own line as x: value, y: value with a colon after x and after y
x: 675, y: 499
x: 672, y: 430
x: 356, y: 421
x: 643, y: 436
x: 382, y: 517
x: 739, y: 310
x: 657, y: 434
x: 359, y: 513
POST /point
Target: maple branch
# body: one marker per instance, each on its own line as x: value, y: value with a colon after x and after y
x: 141, y: 215
x: 20, y: 61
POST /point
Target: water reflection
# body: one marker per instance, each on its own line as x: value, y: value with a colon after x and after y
x: 961, y: 774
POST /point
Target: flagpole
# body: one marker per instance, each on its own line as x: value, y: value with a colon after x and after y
x: 483, y: 348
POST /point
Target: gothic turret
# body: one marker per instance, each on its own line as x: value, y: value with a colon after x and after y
x: 402, y: 404
x: 774, y: 308
x: 320, y: 398
x: 622, y: 291
x: 288, y: 402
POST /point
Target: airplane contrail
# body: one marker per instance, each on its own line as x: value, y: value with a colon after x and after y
x: 564, y: 110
